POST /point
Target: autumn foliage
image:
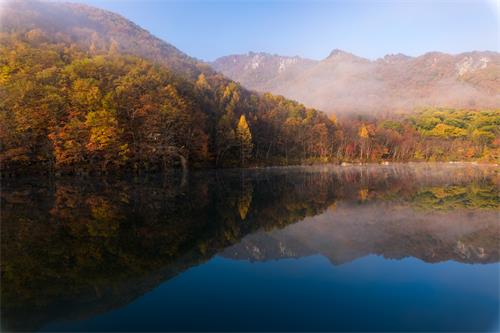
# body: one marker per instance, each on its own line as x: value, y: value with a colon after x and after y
x: 65, y: 109
x: 68, y: 110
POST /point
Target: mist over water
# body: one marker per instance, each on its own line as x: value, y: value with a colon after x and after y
x: 127, y: 228
x: 404, y: 247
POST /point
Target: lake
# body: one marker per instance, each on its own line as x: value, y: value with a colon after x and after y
x: 403, y: 247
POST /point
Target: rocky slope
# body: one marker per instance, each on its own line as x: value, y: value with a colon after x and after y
x: 343, y: 82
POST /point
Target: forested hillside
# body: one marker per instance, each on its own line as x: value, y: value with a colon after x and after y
x: 84, y: 90
x: 93, y: 30
x: 94, y: 92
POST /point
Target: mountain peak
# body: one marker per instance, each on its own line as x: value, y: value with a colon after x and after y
x: 339, y: 52
x: 336, y: 52
x: 395, y: 58
x: 342, y: 55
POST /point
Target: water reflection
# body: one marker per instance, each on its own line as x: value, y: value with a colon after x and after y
x: 75, y: 248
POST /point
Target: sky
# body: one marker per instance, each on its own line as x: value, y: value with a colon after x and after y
x: 207, y: 29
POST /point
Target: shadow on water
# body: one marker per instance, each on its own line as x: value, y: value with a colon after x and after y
x: 75, y: 248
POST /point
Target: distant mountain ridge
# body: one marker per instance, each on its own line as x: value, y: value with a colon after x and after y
x: 344, y: 82
x: 261, y: 70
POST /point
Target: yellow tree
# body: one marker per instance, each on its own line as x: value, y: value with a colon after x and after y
x: 244, y: 137
x: 202, y: 82
x: 245, y: 200
x: 364, y: 136
x: 104, y: 139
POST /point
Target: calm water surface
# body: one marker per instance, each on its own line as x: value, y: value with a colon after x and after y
x: 412, y: 247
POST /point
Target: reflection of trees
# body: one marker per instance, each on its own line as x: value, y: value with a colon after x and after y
x: 454, y: 197
x: 86, y: 241
x: 245, y: 198
x: 79, y: 247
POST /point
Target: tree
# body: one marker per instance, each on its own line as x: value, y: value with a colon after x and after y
x: 202, y: 83
x: 244, y: 137
x: 364, y: 136
x: 225, y: 138
x: 69, y: 143
x: 104, y: 143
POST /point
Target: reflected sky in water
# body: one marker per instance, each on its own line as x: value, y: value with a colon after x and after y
x: 411, y: 247
x: 368, y: 294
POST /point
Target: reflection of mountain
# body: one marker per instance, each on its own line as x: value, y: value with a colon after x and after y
x: 72, y: 249
x: 348, y: 232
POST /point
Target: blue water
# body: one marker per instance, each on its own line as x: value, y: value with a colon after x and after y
x: 368, y: 294
x: 409, y: 247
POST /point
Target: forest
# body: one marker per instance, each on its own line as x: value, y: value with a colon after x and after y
x: 67, y: 109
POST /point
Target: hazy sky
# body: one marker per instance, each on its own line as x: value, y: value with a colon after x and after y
x: 207, y: 29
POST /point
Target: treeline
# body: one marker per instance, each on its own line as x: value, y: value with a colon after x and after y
x: 65, y: 109
x: 432, y: 134
x: 68, y: 110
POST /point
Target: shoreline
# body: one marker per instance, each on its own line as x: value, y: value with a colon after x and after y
x: 180, y: 171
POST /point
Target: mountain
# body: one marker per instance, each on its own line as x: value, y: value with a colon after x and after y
x: 262, y: 70
x: 92, y: 29
x: 344, y: 82
x: 343, y: 236
x: 87, y: 90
